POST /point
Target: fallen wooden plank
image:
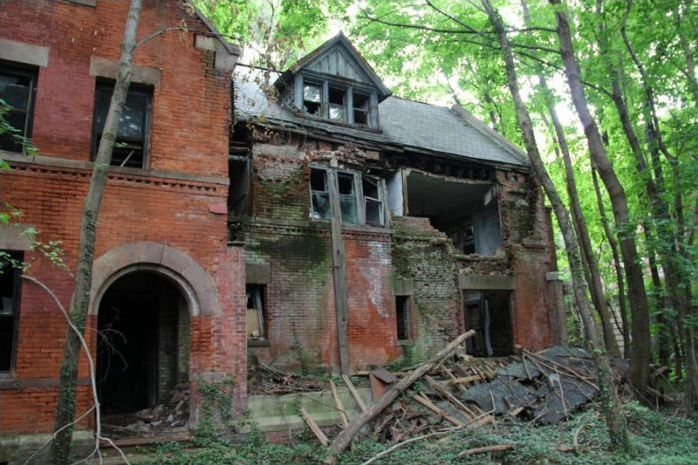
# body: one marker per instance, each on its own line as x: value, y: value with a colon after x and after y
x: 314, y: 428
x: 342, y: 441
x: 464, y: 380
x: 430, y: 405
x: 338, y: 403
x: 446, y: 394
x: 354, y: 393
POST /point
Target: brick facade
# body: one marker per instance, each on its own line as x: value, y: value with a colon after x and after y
x: 175, y: 203
x: 297, y: 252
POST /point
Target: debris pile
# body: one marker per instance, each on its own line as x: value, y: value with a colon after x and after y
x: 452, y: 391
x: 263, y: 379
x: 154, y: 421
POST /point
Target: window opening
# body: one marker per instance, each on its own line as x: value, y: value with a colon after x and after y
x: 256, y: 312
x: 469, y: 239
x: 10, y: 275
x: 130, y: 148
x: 17, y: 90
x: 402, y: 317
x: 489, y: 314
x: 337, y: 104
x: 312, y: 99
x: 320, y: 195
x: 347, y: 198
x: 361, y: 108
x: 373, y: 203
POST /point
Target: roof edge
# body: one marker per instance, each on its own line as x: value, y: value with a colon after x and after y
x: 230, y: 47
x: 490, y: 133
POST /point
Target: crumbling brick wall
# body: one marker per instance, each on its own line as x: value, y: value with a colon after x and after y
x: 301, y: 313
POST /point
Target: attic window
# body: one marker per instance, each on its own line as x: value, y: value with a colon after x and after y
x: 336, y: 102
x: 312, y: 101
x: 337, y: 105
x: 361, y: 108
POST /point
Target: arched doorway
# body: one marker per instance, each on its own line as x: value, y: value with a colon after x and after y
x: 143, y: 342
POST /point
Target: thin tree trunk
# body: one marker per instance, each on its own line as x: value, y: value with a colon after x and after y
x: 65, y: 406
x: 620, y: 280
x: 641, y: 353
x: 678, y: 285
x: 580, y: 226
x: 614, y: 420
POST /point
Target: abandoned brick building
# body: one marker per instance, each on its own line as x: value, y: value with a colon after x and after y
x: 442, y: 227
x: 318, y: 223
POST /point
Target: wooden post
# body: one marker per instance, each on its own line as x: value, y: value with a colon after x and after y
x: 339, y: 274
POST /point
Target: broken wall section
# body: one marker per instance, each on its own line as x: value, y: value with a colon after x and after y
x: 290, y: 255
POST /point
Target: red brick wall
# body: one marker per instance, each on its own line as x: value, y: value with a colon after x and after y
x: 190, y: 105
x: 190, y: 127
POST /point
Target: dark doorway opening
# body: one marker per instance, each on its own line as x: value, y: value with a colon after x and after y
x: 489, y: 314
x: 143, y: 346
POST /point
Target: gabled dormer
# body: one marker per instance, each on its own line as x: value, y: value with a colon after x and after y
x: 334, y: 83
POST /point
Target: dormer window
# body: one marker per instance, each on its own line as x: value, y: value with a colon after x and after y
x: 312, y: 99
x: 334, y: 83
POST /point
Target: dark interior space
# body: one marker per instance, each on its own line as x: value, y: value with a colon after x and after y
x: 467, y: 211
x: 143, y: 342
x: 489, y: 314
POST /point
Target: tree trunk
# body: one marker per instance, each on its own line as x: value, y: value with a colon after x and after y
x: 641, y: 353
x: 678, y: 282
x: 614, y: 420
x: 580, y: 226
x: 65, y: 406
x: 616, y: 264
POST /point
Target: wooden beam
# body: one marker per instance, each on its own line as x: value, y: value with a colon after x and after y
x: 354, y: 393
x: 342, y: 441
x: 314, y: 428
x: 339, y: 274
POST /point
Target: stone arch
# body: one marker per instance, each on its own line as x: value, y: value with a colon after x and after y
x: 197, y: 286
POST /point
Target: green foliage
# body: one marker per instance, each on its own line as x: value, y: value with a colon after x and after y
x: 658, y: 439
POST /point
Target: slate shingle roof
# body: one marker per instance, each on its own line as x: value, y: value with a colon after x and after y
x: 404, y: 124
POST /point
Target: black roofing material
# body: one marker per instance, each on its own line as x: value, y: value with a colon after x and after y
x: 546, y: 387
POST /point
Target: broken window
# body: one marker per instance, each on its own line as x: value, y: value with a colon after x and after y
x: 131, y: 144
x: 337, y: 104
x: 17, y: 90
x: 347, y: 197
x: 402, y: 317
x: 312, y: 99
x: 489, y: 314
x: 333, y: 101
x: 361, y: 108
x: 320, y: 195
x: 256, y: 313
x: 10, y: 274
x: 373, y: 203
x: 361, y: 198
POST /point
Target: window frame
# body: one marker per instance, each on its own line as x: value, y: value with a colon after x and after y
x: 101, y: 84
x: 23, y: 69
x: 359, y: 195
x: 262, y: 313
x: 326, y: 85
x: 16, y: 301
x: 407, y: 311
